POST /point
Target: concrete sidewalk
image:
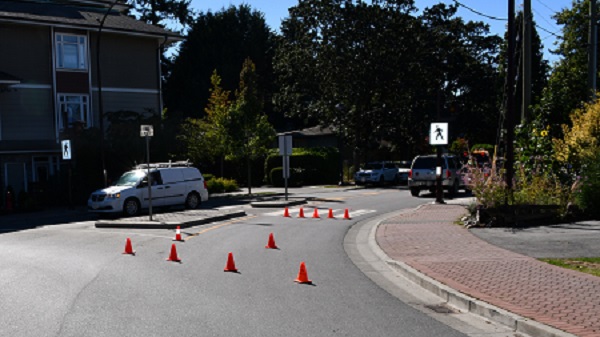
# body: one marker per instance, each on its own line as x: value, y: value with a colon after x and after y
x: 428, y: 240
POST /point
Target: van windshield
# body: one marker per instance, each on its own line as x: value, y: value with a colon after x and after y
x: 130, y: 178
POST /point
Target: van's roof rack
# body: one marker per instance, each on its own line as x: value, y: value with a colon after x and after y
x: 183, y: 163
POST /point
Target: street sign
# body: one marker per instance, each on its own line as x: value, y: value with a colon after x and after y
x: 438, y: 134
x: 285, y: 145
x: 65, y: 147
x: 146, y: 131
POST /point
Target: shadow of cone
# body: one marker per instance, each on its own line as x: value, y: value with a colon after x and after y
x: 128, y: 248
x: 271, y: 244
x: 302, y: 275
x: 286, y: 213
x: 230, y: 267
x: 316, y: 214
x: 346, y: 215
x: 330, y: 216
x: 178, y: 234
x: 173, y: 256
x: 301, y: 213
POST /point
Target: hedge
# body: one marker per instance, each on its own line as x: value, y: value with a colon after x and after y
x: 309, y: 166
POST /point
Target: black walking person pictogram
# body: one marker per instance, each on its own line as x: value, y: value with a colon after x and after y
x: 439, y: 133
x: 66, y: 150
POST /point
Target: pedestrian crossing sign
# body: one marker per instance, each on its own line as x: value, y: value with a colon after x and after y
x: 438, y: 135
x: 65, y: 147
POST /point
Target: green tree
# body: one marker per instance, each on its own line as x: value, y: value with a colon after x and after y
x: 567, y: 85
x: 163, y: 12
x: 219, y: 41
x: 250, y: 134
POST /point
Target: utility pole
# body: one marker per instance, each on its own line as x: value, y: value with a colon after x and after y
x: 592, y: 51
x: 527, y: 28
x: 510, y: 96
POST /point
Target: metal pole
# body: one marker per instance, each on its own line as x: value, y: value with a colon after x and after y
x: 286, y: 164
x: 510, y: 113
x: 527, y: 23
x: 149, y: 177
x: 592, y: 51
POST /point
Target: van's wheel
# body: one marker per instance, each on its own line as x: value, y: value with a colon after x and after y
x: 192, y: 201
x: 131, y: 207
x: 414, y: 192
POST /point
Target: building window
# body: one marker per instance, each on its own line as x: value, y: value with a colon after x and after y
x: 73, y: 110
x: 71, y: 51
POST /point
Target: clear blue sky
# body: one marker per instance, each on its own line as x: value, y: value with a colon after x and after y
x: 543, y: 10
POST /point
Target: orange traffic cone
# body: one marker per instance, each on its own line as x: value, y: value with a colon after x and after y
x: 302, y: 275
x: 178, y: 234
x: 346, y: 215
x: 301, y: 213
x: 330, y: 216
x: 271, y: 244
x: 316, y: 213
x: 230, y: 264
x: 128, y: 248
x: 173, y: 256
x: 286, y: 213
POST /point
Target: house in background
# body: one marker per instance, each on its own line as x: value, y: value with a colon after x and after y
x: 49, y: 79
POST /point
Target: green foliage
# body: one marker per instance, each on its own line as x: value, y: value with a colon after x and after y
x: 315, y: 166
x: 295, y: 179
x: 221, y: 185
x: 156, y: 12
x: 219, y: 41
x: 487, y: 147
x: 587, y: 190
x: 533, y: 147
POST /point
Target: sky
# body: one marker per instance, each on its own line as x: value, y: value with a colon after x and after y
x: 543, y: 10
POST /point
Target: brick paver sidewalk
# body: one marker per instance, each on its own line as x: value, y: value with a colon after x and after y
x: 428, y: 240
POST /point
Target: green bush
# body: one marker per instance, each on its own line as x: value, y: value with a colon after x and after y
x: 587, y: 191
x: 221, y: 185
x: 310, y: 166
x: 208, y: 176
x: 295, y: 179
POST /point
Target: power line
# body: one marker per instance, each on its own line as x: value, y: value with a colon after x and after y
x: 479, y: 13
x: 543, y: 4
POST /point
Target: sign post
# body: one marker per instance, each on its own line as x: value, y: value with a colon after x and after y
x: 65, y: 148
x: 147, y: 131
x: 438, y: 136
x: 285, y: 149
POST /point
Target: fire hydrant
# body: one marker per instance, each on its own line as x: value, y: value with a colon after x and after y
x: 9, y: 201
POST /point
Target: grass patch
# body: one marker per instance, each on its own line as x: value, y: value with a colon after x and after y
x: 590, y: 265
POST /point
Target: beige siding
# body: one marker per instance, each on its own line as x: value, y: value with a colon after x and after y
x: 126, y: 61
x: 27, y: 114
x: 26, y: 53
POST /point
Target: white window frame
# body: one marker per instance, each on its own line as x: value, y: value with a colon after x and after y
x: 81, y: 50
x: 63, y: 101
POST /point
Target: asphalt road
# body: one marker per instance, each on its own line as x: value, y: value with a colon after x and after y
x: 73, y: 280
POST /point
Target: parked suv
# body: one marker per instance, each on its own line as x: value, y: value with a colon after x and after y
x: 376, y: 173
x: 172, y: 184
x: 422, y: 174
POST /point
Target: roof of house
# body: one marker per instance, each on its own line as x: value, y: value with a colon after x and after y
x: 79, y: 14
x: 315, y: 131
x: 6, y: 78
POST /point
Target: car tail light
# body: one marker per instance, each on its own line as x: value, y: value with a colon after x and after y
x: 206, y: 187
x: 448, y: 174
x: 410, y: 173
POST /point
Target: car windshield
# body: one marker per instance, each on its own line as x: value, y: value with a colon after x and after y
x: 130, y: 178
x: 372, y: 166
x: 425, y: 163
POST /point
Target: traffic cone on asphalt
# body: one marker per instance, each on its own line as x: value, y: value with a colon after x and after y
x: 346, y: 215
x: 173, y: 256
x: 271, y: 244
x: 330, y: 216
x: 286, y: 213
x: 128, y: 248
x: 302, y: 275
x: 316, y: 213
x: 230, y: 264
x: 178, y: 234
x: 301, y: 213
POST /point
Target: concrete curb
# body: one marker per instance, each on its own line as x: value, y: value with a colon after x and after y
x: 457, y: 299
x: 138, y: 223
x: 278, y: 203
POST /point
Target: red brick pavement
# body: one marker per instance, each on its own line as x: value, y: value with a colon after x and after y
x: 428, y: 240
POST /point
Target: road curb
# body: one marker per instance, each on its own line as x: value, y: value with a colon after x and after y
x: 454, y: 298
x: 182, y: 222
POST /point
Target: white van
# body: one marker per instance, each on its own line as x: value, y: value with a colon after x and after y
x: 173, y: 184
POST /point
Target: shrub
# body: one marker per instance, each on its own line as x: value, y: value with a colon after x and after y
x: 587, y: 191
x: 295, y: 179
x: 221, y: 185
x: 315, y: 165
